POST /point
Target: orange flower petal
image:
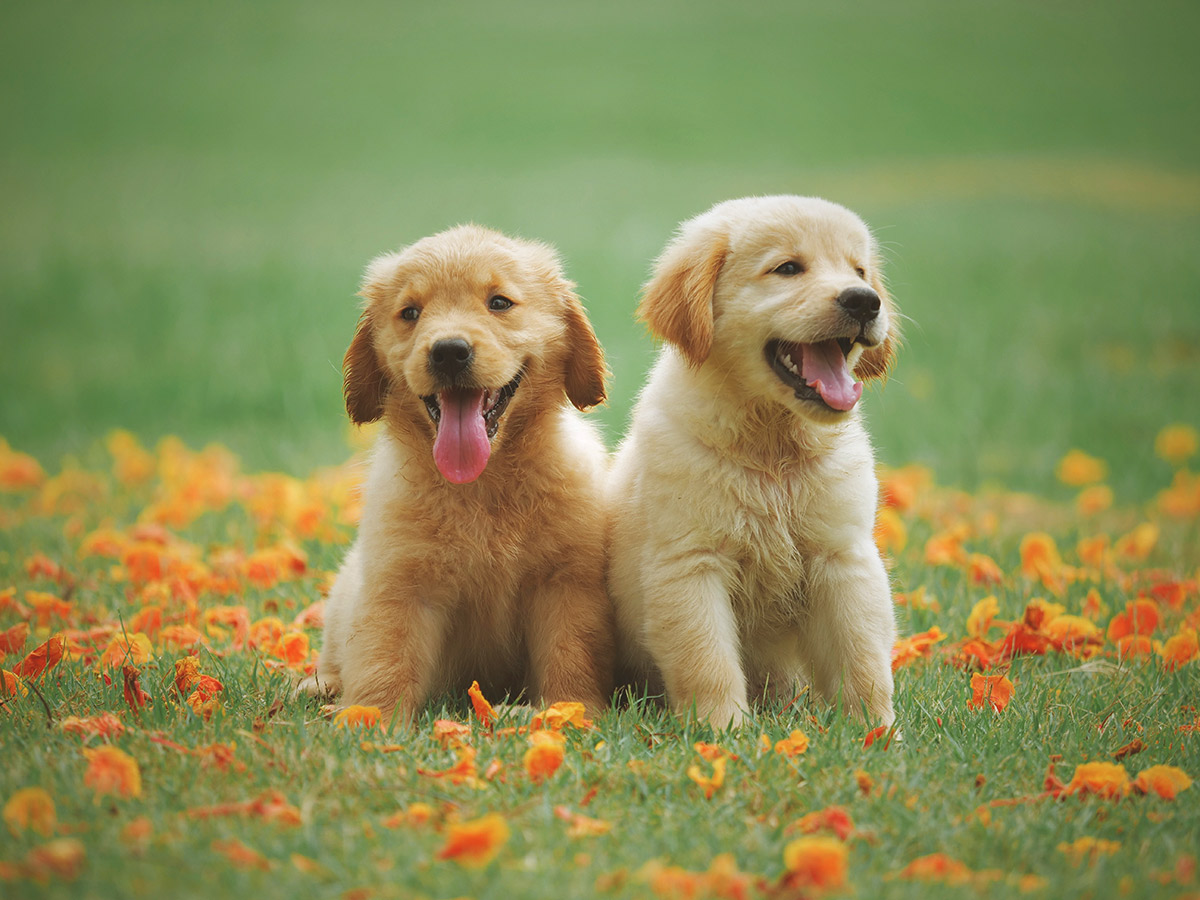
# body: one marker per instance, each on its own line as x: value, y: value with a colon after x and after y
x: 915, y: 646
x: 42, y: 658
x: 1040, y: 561
x: 793, y: 745
x: 358, y: 717
x: 1181, y: 649
x: 710, y: 784
x: 580, y: 825
x: 112, y: 771
x: 104, y: 725
x: 982, y: 569
x: 1176, y: 443
x: 1077, y: 469
x: 980, y: 618
x: 241, y: 856
x: 126, y: 650
x: 462, y: 772
x: 132, y: 688
x: 993, y: 690
x: 1138, y: 617
x: 62, y: 857
x: 874, y: 734
x: 448, y: 732
x: 1088, y: 848
x: 1109, y: 780
x: 181, y: 637
x: 544, y: 755
x: 816, y: 862
x: 1071, y: 633
x: 14, y: 638
x: 187, y: 674
x: 1166, y: 781
x: 31, y: 809
x: 559, y: 715
x: 832, y: 818
x: 936, y: 867
x: 1137, y: 545
x: 1094, y: 499
x: 483, y: 709
x: 709, y: 751
x: 474, y: 844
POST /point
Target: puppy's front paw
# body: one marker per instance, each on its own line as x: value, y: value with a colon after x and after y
x: 724, y: 716
x: 316, y: 686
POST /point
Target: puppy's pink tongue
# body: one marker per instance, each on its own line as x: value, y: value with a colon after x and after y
x: 824, y: 368
x: 461, y: 449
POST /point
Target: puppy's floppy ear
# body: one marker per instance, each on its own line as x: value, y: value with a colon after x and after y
x: 677, y: 301
x: 584, y: 372
x: 585, y: 369
x: 365, y: 383
x: 875, y: 362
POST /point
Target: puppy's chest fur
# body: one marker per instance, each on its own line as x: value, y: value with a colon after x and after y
x: 475, y: 549
x: 466, y: 551
x: 476, y: 555
x: 777, y: 527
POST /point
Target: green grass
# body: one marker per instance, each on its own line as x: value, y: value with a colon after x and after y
x: 630, y: 771
x: 190, y: 195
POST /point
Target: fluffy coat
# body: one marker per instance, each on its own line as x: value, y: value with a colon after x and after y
x: 744, y: 495
x: 458, y: 573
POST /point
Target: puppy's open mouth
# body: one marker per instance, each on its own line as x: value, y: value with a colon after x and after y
x: 821, y: 372
x: 467, y: 420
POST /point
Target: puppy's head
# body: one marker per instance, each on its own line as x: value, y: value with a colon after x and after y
x: 785, y: 294
x: 466, y: 335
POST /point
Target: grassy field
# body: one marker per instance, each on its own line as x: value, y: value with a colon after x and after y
x: 143, y: 564
x: 190, y: 195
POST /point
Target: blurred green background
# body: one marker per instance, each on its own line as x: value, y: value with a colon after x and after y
x: 190, y: 192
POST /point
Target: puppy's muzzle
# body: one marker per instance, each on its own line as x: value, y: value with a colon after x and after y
x: 449, y: 358
x: 860, y: 303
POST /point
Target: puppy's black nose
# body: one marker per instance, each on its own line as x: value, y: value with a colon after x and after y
x: 860, y: 303
x: 450, y: 357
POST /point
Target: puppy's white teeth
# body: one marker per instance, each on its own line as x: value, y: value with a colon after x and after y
x: 854, y: 355
x: 789, y: 365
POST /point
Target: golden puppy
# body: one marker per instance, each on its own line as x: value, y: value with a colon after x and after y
x: 480, y: 550
x: 744, y: 496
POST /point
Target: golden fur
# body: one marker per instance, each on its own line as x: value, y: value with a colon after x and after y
x: 499, y: 579
x: 742, y: 558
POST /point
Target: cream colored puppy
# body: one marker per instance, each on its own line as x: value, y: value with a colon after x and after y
x: 480, y: 551
x: 744, y: 496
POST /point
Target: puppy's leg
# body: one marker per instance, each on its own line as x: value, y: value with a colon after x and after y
x: 327, y: 682
x: 391, y: 655
x: 691, y: 632
x: 339, y: 606
x: 850, y: 632
x: 570, y: 636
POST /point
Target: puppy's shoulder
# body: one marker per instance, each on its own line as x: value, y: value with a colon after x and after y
x: 579, y: 440
x: 670, y: 411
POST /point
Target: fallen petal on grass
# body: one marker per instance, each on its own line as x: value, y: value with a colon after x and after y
x: 1165, y: 781
x: 476, y: 843
x: 31, y: 809
x: 111, y: 770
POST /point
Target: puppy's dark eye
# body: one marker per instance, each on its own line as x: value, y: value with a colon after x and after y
x: 499, y: 304
x: 791, y: 267
x: 410, y: 313
x: 862, y: 273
